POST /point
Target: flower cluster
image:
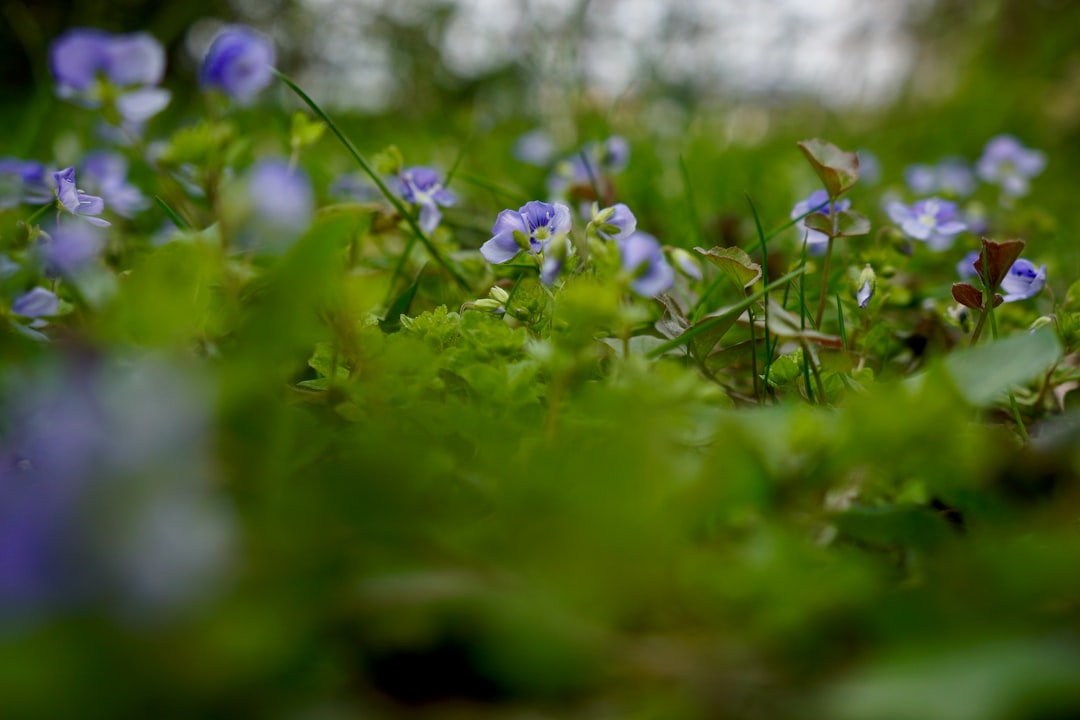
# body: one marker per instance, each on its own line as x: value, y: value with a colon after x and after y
x: 952, y: 176
x: 1007, y: 163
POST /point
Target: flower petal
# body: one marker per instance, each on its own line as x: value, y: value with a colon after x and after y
x: 500, y: 248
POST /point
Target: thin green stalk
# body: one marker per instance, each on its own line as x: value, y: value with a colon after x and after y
x: 765, y: 301
x: 978, y: 329
x: 592, y: 178
x: 171, y: 214
x: 802, y: 326
x: 840, y: 319
x: 690, y: 203
x: 391, y: 198
x: 753, y: 354
x: 39, y: 212
x: 491, y: 187
x: 1012, y: 397
x: 814, y: 370
x: 824, y: 283
x: 793, y: 221
x: 457, y: 159
x: 399, y: 268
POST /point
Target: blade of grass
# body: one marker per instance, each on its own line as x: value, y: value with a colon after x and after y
x: 840, y: 319
x: 592, y: 178
x: 802, y: 326
x: 764, y: 279
x: 690, y: 203
x: 696, y: 330
x: 391, y: 198
x: 171, y: 214
x: 480, y: 182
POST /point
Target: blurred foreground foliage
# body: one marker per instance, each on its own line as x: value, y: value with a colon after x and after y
x: 442, y: 514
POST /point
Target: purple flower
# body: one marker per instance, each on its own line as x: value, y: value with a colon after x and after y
x: 134, y: 63
x: 1023, y: 280
x: 77, y: 202
x: 281, y: 204
x: 535, y: 148
x: 239, y: 62
x: 554, y: 258
x: 355, y: 187
x: 106, y: 173
x: 864, y: 294
x: 23, y: 181
x: 818, y: 201
x: 531, y: 227
x: 867, y: 285
x: 108, y: 494
x: 1006, y: 162
x: 643, y: 260
x: 614, y: 223
x: 69, y: 249
x: 869, y: 167
x: 933, y: 221
x: 614, y: 154
x: 36, y: 304
x: 952, y: 176
x: 422, y: 186
x: 966, y: 267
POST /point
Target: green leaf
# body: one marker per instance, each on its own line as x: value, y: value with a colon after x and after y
x: 892, y: 525
x: 326, y: 362
x: 305, y: 132
x: 784, y: 324
x: 837, y: 169
x: 726, y: 316
x: 985, y: 373
x: 392, y: 322
x: 735, y: 263
x: 848, y: 224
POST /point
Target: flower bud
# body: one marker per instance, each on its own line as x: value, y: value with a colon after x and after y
x: 867, y: 284
x: 499, y: 295
x: 487, y: 305
x: 1041, y: 322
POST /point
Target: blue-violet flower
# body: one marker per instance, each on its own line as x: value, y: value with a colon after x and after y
x: 531, y: 227
x: 422, y: 186
x: 132, y: 63
x: 106, y: 174
x: 1023, y: 280
x: 239, y: 63
x: 643, y: 260
x: 75, y: 201
x: 933, y: 221
x: 1006, y: 162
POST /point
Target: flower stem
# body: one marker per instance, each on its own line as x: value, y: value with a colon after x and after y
x: 824, y: 283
